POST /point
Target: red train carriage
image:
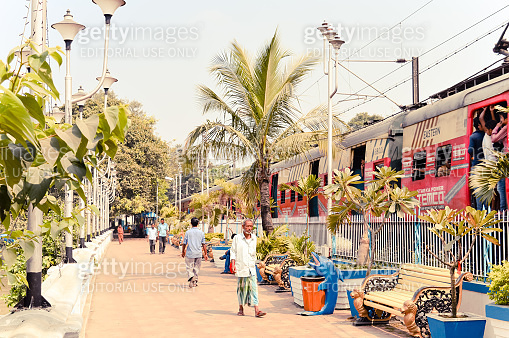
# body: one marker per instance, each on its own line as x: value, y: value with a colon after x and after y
x: 429, y: 144
x: 435, y: 144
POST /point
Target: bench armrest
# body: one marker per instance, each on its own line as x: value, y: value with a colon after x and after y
x: 379, y: 282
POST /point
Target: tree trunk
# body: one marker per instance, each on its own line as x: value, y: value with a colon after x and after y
x: 363, y: 252
x: 265, y: 201
x: 372, y: 255
x: 454, y: 302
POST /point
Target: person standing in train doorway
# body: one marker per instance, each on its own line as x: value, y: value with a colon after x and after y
x: 475, y: 153
x: 499, y: 136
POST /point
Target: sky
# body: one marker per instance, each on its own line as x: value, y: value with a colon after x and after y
x: 161, y: 50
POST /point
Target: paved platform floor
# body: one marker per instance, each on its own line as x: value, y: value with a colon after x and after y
x: 137, y: 294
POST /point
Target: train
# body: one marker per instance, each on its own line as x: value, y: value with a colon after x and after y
x: 429, y: 143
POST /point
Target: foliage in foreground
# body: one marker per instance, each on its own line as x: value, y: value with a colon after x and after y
x: 499, y: 283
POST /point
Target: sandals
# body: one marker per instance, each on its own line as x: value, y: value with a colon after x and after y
x: 260, y: 314
x: 240, y: 313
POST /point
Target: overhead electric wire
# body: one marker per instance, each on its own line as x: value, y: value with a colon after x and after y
x: 424, y: 70
x: 379, y: 36
x: 387, y: 32
x: 428, y: 51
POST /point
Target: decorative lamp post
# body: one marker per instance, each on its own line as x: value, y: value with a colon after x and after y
x: 330, y: 36
x: 81, y: 103
x: 68, y: 28
x: 57, y: 114
x: 107, y: 83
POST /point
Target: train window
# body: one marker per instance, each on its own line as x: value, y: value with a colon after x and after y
x: 325, y: 177
x: 258, y: 204
x: 443, y: 161
x: 299, y: 197
x: 283, y: 196
x: 292, y: 196
x: 419, y: 166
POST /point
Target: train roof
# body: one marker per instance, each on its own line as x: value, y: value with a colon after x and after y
x: 310, y: 155
x: 374, y: 131
x: 491, y: 86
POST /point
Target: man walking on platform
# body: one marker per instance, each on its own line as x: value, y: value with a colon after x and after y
x: 243, y: 259
x: 162, y: 228
x: 152, y: 238
x: 194, y: 242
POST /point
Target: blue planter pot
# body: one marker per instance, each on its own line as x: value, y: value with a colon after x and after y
x: 471, y: 326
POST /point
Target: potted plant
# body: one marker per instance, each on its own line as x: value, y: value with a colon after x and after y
x: 308, y: 188
x: 498, y: 312
x: 451, y: 226
x: 380, y: 198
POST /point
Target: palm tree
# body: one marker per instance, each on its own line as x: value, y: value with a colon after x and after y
x: 229, y: 191
x: 260, y: 120
x: 308, y: 188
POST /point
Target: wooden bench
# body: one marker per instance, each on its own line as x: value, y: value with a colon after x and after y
x: 412, y: 292
x: 276, y: 268
x: 177, y: 240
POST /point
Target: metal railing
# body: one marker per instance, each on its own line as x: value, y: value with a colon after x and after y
x: 401, y: 240
x: 405, y: 240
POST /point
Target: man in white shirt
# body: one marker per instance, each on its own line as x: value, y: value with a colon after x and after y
x: 152, y: 238
x: 243, y: 260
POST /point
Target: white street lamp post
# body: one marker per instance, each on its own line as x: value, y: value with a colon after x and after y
x: 68, y: 28
x: 330, y: 36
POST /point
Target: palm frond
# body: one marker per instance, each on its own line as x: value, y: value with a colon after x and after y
x: 485, y: 176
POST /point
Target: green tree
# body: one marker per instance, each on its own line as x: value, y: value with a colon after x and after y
x: 142, y: 160
x: 380, y: 198
x: 362, y: 119
x: 260, y: 120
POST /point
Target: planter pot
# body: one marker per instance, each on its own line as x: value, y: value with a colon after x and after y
x: 442, y: 327
x: 218, y: 251
x: 296, y: 272
x: 498, y: 319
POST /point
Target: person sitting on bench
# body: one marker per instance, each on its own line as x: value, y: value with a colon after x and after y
x: 226, y: 258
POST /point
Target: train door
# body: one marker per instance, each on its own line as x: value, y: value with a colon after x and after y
x: 273, y: 194
x: 490, y: 113
x: 358, y: 163
x: 313, y: 203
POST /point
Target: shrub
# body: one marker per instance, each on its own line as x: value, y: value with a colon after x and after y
x: 208, y: 237
x: 274, y: 243
x: 499, y: 283
x: 300, y: 248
